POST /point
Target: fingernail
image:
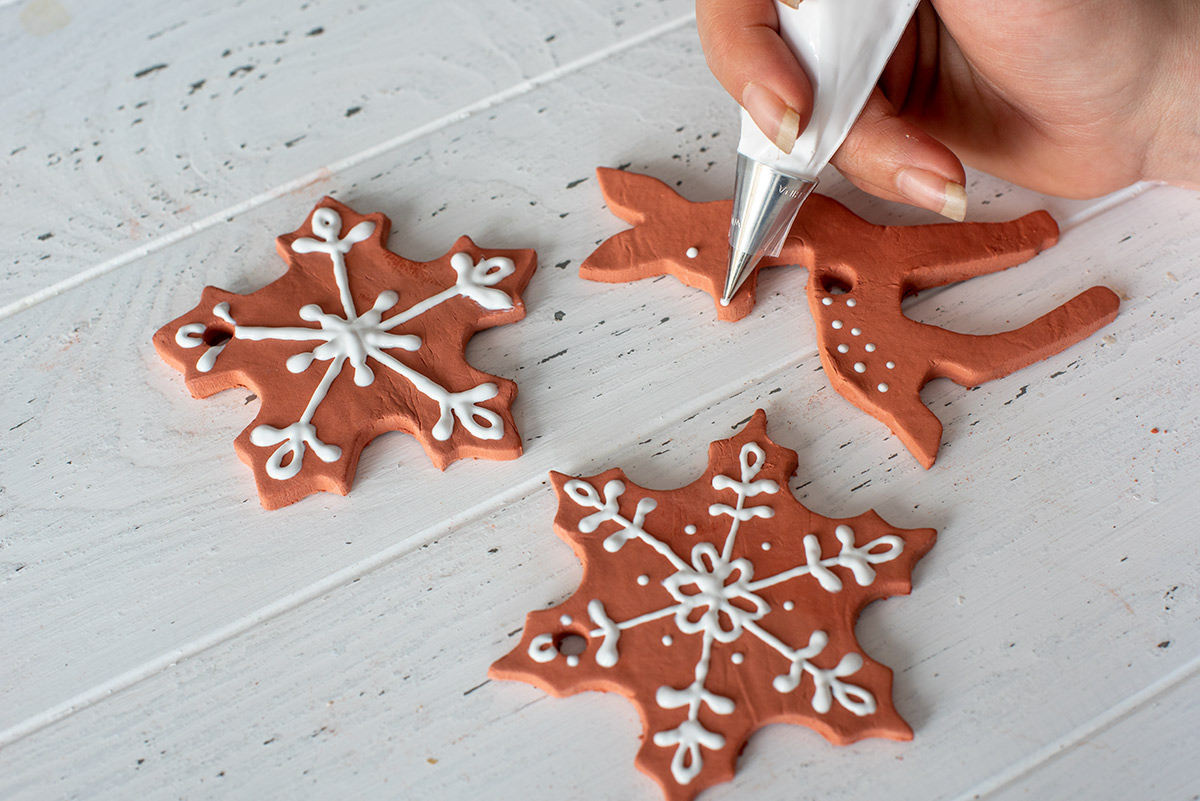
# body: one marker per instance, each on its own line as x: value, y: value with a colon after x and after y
x: 931, y: 191
x: 771, y: 115
x: 792, y: 3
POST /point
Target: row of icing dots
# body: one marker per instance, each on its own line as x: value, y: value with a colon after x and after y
x: 870, y: 347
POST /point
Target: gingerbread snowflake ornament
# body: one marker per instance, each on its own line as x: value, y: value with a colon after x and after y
x: 353, y: 341
x: 719, y: 608
x: 859, y: 273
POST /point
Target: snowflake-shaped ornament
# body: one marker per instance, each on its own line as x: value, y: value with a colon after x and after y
x: 718, y: 608
x: 351, y: 342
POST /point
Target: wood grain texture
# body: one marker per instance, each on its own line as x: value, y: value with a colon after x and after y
x: 160, y: 117
x: 168, y: 638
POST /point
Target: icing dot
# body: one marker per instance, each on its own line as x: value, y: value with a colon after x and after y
x: 572, y: 660
x: 565, y: 620
x: 667, y: 639
x: 826, y: 301
x: 689, y: 529
x: 859, y: 367
x: 843, y: 348
x: 891, y: 365
x: 851, y: 302
x: 883, y: 387
x: 692, y: 253
x: 737, y: 658
x: 788, y: 606
x: 856, y: 331
x: 869, y: 347
x: 643, y: 579
x: 836, y: 323
x: 766, y: 546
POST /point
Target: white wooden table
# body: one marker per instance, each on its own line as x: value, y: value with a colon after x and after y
x: 165, y: 637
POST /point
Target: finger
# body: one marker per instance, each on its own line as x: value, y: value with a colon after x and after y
x: 742, y: 45
x: 895, y: 160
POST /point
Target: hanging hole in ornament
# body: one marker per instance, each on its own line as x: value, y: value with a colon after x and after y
x: 835, y: 285
x: 570, y: 644
x: 216, y: 336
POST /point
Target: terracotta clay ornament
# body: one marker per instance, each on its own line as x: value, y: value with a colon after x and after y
x: 859, y: 273
x: 719, y: 608
x: 353, y: 341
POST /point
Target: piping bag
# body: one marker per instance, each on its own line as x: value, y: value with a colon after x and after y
x: 843, y: 46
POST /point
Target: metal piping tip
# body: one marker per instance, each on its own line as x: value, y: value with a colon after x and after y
x: 765, y: 202
x: 741, y: 264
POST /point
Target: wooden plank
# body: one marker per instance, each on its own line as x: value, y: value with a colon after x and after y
x: 1150, y: 754
x: 135, y: 122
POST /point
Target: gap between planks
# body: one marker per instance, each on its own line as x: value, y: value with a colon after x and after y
x: 1060, y: 747
x: 345, y: 576
x: 322, y: 173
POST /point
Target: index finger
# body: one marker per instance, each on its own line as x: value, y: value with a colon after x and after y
x: 746, y: 54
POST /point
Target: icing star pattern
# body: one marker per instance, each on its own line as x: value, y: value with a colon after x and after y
x: 858, y: 274
x: 718, y: 608
x: 353, y: 341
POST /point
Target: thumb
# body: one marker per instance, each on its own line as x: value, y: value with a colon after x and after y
x: 893, y: 159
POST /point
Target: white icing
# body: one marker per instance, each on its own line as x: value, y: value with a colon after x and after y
x: 869, y: 347
x: 859, y: 367
x: 361, y: 339
x: 826, y: 301
x: 882, y: 387
x: 890, y: 365
x: 690, y: 735
x: 843, y: 348
x: 716, y: 596
x: 565, y: 620
x: 855, y: 331
x: 186, y: 337
x: 857, y: 559
x: 191, y: 335
x: 606, y: 654
x: 541, y: 648
x: 689, y: 529
x: 692, y: 253
x: 851, y: 302
x: 836, y: 324
x: 573, y: 660
x: 711, y: 589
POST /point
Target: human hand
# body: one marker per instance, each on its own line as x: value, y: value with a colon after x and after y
x: 1069, y: 98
